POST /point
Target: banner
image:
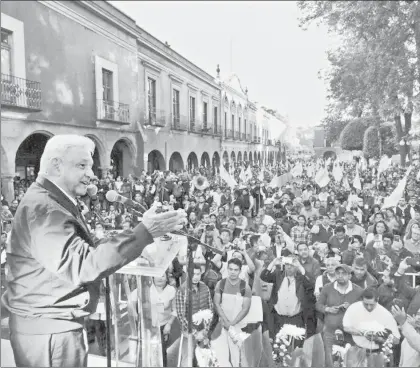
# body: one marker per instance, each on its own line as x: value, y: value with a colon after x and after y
x: 248, y: 174
x: 297, y: 170
x: 384, y: 164
x: 279, y: 181
x: 393, y: 199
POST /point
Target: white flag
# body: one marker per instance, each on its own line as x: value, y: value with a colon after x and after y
x: 227, y: 178
x: 384, y: 164
x: 337, y: 172
x: 297, y: 170
x: 393, y: 199
x: 322, y: 178
x: 242, y: 175
x: 248, y: 174
x: 346, y: 184
x: 357, y: 184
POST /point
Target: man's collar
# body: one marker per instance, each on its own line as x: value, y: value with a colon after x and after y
x: 74, y: 201
x: 348, y: 289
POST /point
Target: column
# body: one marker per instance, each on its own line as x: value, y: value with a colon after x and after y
x: 7, y: 187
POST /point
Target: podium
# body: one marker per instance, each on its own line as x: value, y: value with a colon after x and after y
x: 136, y: 329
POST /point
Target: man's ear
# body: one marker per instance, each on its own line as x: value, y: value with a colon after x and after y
x: 56, y: 164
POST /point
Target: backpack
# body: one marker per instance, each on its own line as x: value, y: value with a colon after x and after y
x: 242, y: 287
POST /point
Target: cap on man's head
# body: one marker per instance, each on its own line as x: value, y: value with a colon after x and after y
x: 344, y: 267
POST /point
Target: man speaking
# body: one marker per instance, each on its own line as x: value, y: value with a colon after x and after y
x: 55, y: 269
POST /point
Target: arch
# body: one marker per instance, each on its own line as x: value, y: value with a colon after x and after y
x: 216, y: 159
x: 259, y: 157
x: 97, y: 154
x: 205, y: 159
x: 225, y: 157
x: 255, y: 157
x: 192, y: 161
x: 239, y: 156
x: 28, y: 155
x: 155, y: 161
x: 123, y: 156
x: 176, y: 162
x: 245, y: 156
x: 232, y: 156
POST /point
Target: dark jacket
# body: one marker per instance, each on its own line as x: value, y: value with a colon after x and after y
x: 304, y: 287
x: 55, y: 271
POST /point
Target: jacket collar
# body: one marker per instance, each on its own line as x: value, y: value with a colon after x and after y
x: 58, y: 195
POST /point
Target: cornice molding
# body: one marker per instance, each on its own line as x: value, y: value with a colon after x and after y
x: 205, y: 93
x: 85, y: 22
x: 191, y: 86
x: 151, y: 66
x: 175, y: 78
x: 214, y: 98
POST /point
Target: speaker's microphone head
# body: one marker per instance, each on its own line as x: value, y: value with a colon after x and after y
x: 111, y: 196
x: 92, y: 190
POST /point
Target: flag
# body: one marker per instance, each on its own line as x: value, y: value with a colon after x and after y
x: 384, y: 164
x: 393, y: 199
x: 322, y: 178
x: 357, y: 184
x: 227, y: 178
x: 274, y: 182
x: 248, y: 174
x: 310, y: 171
x: 297, y: 170
x: 346, y: 184
x: 242, y: 175
x: 418, y: 175
x: 337, y: 172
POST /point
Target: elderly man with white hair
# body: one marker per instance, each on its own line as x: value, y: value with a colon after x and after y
x: 55, y: 267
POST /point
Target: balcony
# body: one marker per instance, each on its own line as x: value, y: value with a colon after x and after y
x: 155, y: 118
x: 230, y: 134
x: 179, y: 122
x: 248, y: 137
x: 269, y: 142
x: 217, y: 130
x: 237, y: 136
x: 113, y: 111
x: 194, y: 127
x: 243, y: 136
x: 20, y: 93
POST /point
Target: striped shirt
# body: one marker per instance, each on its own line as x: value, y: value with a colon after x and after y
x: 201, y: 299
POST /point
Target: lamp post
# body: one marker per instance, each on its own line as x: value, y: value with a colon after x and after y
x: 406, y: 143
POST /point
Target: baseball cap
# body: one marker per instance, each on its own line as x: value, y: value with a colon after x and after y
x: 344, y: 267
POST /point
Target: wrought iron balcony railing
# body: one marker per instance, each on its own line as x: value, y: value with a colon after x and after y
x: 269, y: 142
x: 217, y: 129
x: 21, y: 93
x: 112, y: 111
x: 193, y: 126
x: 237, y: 136
x: 155, y: 118
x: 179, y: 122
x: 248, y: 137
x: 230, y: 134
x: 243, y: 136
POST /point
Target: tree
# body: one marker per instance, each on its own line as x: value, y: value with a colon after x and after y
x: 352, y: 136
x: 371, y: 143
x: 390, y: 143
x: 376, y: 71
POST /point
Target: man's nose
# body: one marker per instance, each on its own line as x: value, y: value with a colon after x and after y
x: 89, y: 173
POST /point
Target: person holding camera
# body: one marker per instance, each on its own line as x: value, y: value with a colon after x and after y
x: 290, y: 292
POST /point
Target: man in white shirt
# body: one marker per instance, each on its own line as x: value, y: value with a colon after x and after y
x: 356, y: 322
x: 267, y: 220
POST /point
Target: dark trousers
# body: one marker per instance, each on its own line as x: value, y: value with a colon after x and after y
x: 164, y: 347
x: 310, y: 321
x: 66, y: 349
x: 280, y: 321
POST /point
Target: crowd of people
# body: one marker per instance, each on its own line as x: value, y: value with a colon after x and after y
x: 327, y: 257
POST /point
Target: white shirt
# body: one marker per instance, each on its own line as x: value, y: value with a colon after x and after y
x: 243, y: 275
x: 356, y: 315
x: 268, y: 220
x: 288, y: 303
x: 319, y: 283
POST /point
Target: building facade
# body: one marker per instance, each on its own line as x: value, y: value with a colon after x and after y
x: 87, y: 68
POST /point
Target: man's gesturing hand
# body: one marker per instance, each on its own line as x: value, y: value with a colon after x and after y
x: 163, y: 223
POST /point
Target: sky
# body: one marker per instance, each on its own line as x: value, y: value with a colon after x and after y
x: 259, y: 41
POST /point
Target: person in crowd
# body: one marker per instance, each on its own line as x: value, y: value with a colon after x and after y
x: 352, y: 228
x: 301, y: 233
x: 290, y: 293
x: 201, y: 300
x: 361, y: 276
x: 333, y: 301
x: 359, y: 314
x: 340, y: 241
x: 232, y: 301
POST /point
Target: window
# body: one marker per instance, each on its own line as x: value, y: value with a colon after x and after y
x: 175, y: 105
x: 192, y: 109
x: 6, y: 52
x: 245, y: 127
x: 106, y: 85
x: 239, y: 124
x: 205, y: 115
x: 215, y: 119
x: 225, y: 123
x: 233, y: 123
x: 151, y: 100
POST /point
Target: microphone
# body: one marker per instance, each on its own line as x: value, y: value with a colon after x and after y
x: 92, y: 190
x: 113, y: 196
